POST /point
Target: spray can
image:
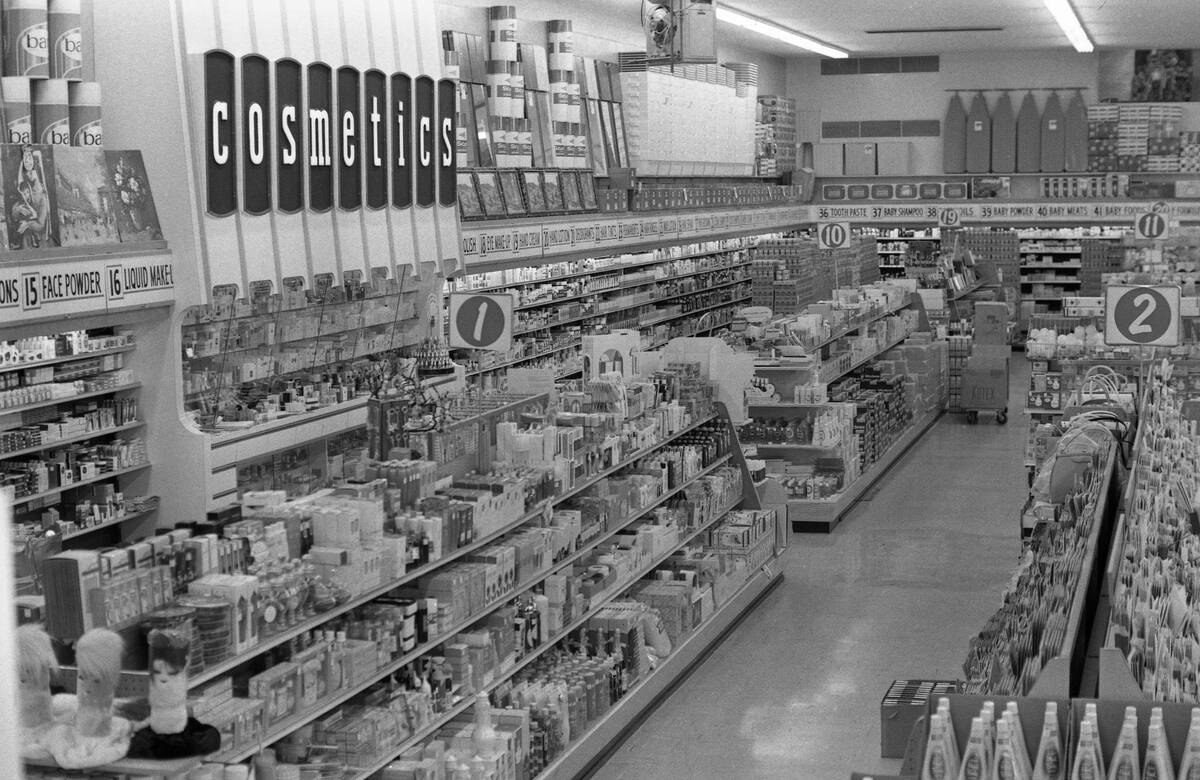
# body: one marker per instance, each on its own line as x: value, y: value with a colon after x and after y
x: 51, y: 113
x: 85, y: 113
x: 66, y: 40
x: 26, y: 38
x: 18, y: 121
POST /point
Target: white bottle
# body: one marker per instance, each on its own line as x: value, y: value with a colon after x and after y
x: 936, y: 765
x: 952, y: 750
x: 1125, y: 757
x: 1007, y: 765
x: 1189, y: 766
x: 1158, y: 764
x: 975, y: 764
x: 1017, y: 733
x: 1091, y: 716
x: 1049, y: 762
x: 1086, y: 766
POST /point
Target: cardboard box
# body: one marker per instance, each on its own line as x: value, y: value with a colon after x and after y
x: 904, y: 702
x: 991, y: 322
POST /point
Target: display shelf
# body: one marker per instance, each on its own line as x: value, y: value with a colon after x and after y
x: 621, y: 718
x: 108, y: 524
x: 72, y: 440
x: 823, y: 515
x: 770, y: 408
x: 130, y: 767
x: 661, y: 320
x: 1052, y: 251
x: 299, y: 720
x: 762, y: 445
x: 1032, y: 411
x: 956, y: 295
x: 313, y: 340
x: 4, y: 411
x: 1051, y: 266
x: 856, y: 326
x: 601, y: 601
x: 308, y: 308
x: 23, y: 500
x: 1056, y: 281
x: 892, y: 265
x: 67, y: 358
x: 864, y: 360
x: 891, y: 251
x: 615, y: 267
x: 311, y: 623
x: 525, y: 359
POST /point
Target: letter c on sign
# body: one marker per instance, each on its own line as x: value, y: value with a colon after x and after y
x: 426, y: 129
x: 220, y: 113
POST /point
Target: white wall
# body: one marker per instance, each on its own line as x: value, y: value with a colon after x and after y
x: 601, y: 30
x: 924, y: 96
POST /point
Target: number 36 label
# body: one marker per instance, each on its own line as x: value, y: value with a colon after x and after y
x: 1141, y: 315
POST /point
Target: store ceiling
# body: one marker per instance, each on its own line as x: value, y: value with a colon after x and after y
x: 1026, y: 24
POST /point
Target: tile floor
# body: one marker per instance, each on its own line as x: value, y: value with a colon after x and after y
x: 896, y: 591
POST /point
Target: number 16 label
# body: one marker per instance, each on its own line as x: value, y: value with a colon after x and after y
x: 1137, y: 315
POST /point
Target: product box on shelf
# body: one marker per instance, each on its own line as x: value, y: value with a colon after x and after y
x: 903, y: 704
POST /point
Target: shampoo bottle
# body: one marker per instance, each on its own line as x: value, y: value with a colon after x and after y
x: 1189, y: 766
x: 1049, y: 762
x: 1086, y: 766
x: 1007, y: 765
x: 1091, y: 716
x: 1158, y: 764
x: 937, y: 764
x: 1017, y: 733
x: 952, y: 751
x: 975, y: 764
x: 1125, y: 758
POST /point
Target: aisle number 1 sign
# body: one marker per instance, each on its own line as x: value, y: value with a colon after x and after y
x: 481, y: 321
x: 833, y: 235
x: 1141, y: 315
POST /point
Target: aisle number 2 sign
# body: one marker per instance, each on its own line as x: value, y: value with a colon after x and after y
x: 833, y: 235
x: 1141, y: 315
x: 481, y: 321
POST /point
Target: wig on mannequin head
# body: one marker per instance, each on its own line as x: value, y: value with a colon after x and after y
x: 36, y: 659
x: 35, y: 662
x: 98, y: 658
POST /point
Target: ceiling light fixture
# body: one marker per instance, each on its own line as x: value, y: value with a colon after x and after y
x: 1065, y: 15
x: 756, y: 25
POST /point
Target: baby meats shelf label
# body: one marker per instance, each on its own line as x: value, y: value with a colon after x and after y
x: 85, y: 286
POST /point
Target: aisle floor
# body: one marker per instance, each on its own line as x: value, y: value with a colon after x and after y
x: 896, y: 591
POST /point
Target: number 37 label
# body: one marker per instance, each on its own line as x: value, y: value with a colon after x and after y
x: 1141, y: 315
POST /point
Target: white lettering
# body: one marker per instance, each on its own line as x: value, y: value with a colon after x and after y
x: 348, y: 150
x: 376, y: 159
x: 254, y: 118
x: 318, y: 138
x: 426, y: 128
x: 287, y: 120
x: 447, y: 145
x: 400, y: 143
x: 220, y: 113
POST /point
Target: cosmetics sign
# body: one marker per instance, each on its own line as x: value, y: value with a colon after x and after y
x: 1141, y: 315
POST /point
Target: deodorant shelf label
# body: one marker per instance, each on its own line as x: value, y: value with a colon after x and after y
x: 26, y: 38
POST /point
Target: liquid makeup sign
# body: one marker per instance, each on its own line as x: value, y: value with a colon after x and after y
x: 386, y: 139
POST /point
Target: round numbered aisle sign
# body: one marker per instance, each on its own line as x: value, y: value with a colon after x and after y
x: 481, y: 321
x: 1151, y: 225
x: 833, y: 235
x: 1137, y: 315
x: 949, y: 217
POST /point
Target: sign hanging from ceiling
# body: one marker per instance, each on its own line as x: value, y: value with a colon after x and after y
x: 333, y: 129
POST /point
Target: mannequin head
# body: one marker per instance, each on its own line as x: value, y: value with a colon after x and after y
x: 35, y: 663
x: 168, y: 667
x: 98, y: 656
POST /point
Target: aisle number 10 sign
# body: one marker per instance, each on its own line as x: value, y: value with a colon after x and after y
x: 1141, y: 315
x: 833, y: 235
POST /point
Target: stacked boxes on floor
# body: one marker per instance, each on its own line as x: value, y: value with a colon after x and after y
x: 801, y: 274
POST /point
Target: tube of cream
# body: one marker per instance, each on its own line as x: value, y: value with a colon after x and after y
x: 1007, y: 766
x: 937, y: 764
x: 1049, y: 763
x: 1189, y: 767
x: 1125, y: 758
x: 975, y: 765
x: 1158, y: 764
x: 1086, y: 766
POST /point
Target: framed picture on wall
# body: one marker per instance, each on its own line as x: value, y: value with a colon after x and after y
x: 535, y: 197
x: 587, y: 190
x: 553, y: 189
x: 572, y: 200
x: 468, y: 197
x: 514, y: 199
x: 488, y: 182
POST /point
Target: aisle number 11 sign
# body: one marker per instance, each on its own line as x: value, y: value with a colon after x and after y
x: 1141, y: 315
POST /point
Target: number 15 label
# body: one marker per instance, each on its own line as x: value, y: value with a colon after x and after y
x: 1141, y: 315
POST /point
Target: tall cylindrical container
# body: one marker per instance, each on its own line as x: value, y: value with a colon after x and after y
x: 26, y: 38
x: 502, y: 32
x: 51, y: 112
x: 18, y: 119
x: 66, y: 40
x: 84, y: 113
x: 500, y: 102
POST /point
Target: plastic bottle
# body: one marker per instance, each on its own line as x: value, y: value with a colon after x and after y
x: 1189, y: 766
x: 1049, y: 762
x: 1086, y: 766
x: 975, y: 764
x: 1125, y: 757
x: 1158, y: 764
x: 936, y: 765
x: 1007, y: 765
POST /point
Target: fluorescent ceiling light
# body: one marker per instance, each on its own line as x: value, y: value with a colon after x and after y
x: 756, y: 25
x: 1064, y: 14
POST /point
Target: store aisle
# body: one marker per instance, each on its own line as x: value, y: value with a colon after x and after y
x: 896, y: 591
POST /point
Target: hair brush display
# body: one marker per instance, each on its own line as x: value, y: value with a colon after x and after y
x: 170, y: 732
x: 94, y: 736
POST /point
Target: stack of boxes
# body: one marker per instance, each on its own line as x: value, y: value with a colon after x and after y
x: 1098, y: 257
x: 1189, y: 152
x: 775, y: 135
x: 959, y: 349
x: 1145, y: 137
x: 1163, y: 144
x: 1102, y: 137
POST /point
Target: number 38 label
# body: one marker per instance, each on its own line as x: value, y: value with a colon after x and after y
x: 1137, y: 315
